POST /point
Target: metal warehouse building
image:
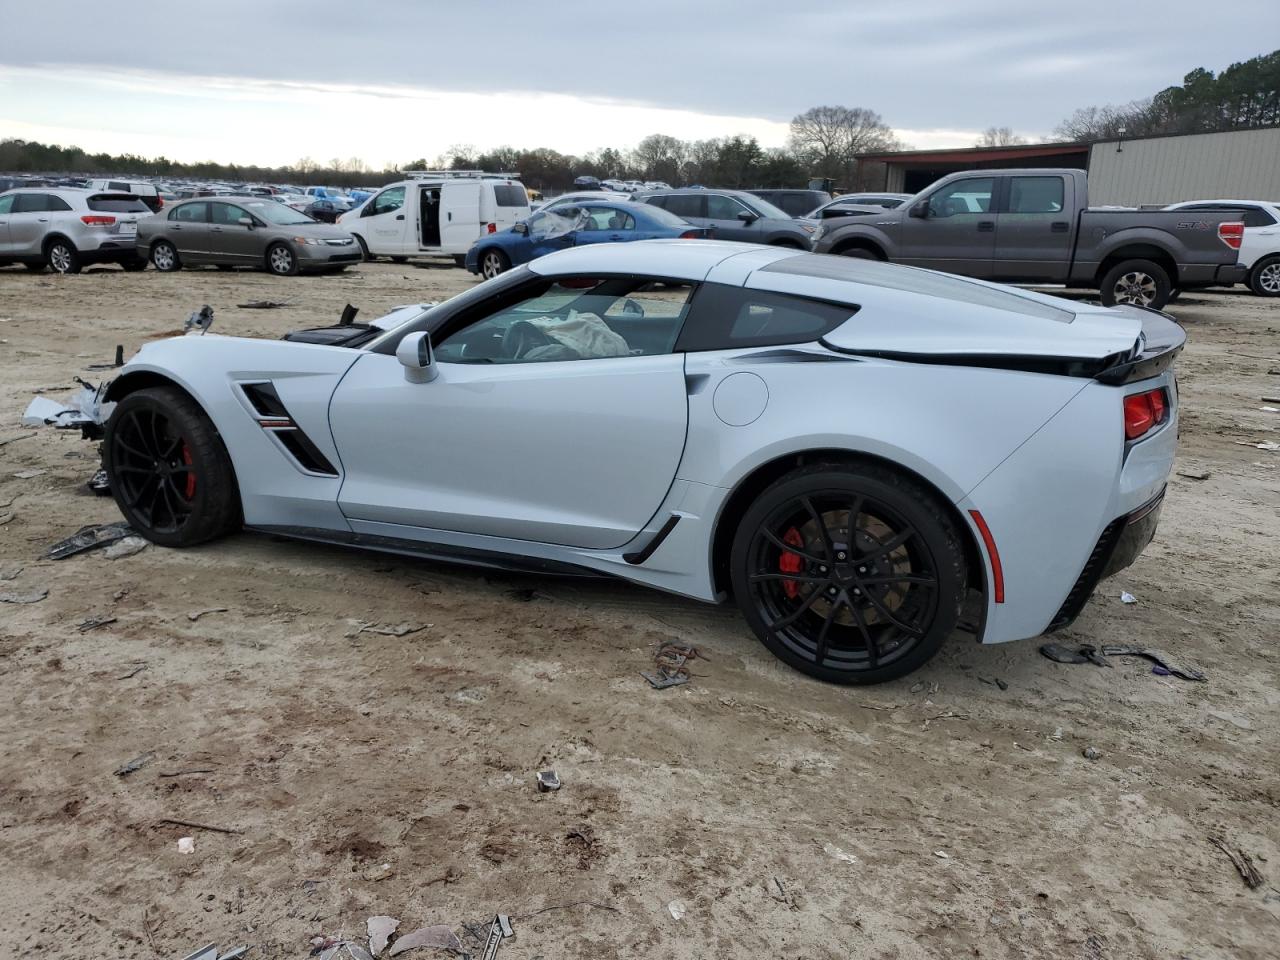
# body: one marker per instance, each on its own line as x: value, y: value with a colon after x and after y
x: 1235, y: 165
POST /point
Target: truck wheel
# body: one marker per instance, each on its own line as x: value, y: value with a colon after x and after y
x: 1137, y: 282
x: 859, y: 253
x: 1264, y: 278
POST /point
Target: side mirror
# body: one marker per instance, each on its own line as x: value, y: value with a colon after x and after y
x: 245, y: 222
x: 919, y: 210
x: 747, y: 218
x: 521, y: 228
x: 417, y: 357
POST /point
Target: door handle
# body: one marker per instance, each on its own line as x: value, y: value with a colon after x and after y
x: 615, y: 236
x: 42, y: 219
x: 399, y: 216
x: 1059, y: 226
x: 986, y: 226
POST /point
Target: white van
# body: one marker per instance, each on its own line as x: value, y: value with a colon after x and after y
x: 436, y: 213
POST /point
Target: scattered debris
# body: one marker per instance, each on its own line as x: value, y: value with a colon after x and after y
x: 832, y: 850
x: 186, y: 845
x: 1196, y: 476
x: 993, y: 681
x: 21, y: 436
x: 84, y: 409
x: 10, y: 571
x: 195, y: 615
x: 1262, y: 445
x: 29, y: 474
x: 99, y: 483
x: 1270, y: 409
x: 942, y: 855
x: 92, y: 623
x: 1091, y: 753
x: 118, y: 361
x: 89, y: 538
x: 548, y: 781
x: 672, y: 661
x: 437, y: 937
x: 198, y: 826
x: 1242, y: 862
x: 264, y: 304
x: 677, y: 909
x: 133, y: 673
x: 1126, y: 597
x: 1270, y: 399
x: 183, y: 773
x: 35, y: 596
x: 400, y: 630
x: 125, y: 548
x: 380, y: 931
x: 1237, y: 722
x: 1087, y: 653
x: 137, y: 763
x: 207, y: 952
x: 378, y: 872
x: 201, y: 320
x: 343, y: 950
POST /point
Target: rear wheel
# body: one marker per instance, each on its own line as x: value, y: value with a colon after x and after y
x: 63, y: 257
x: 164, y: 255
x: 1264, y: 278
x: 281, y: 260
x: 399, y: 259
x: 492, y: 263
x: 1140, y: 283
x: 851, y: 574
x: 859, y: 253
x: 169, y: 472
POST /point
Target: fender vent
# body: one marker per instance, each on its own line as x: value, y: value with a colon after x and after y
x: 263, y: 398
x: 305, y: 452
x: 274, y: 418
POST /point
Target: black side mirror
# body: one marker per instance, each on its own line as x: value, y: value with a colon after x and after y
x: 521, y: 228
x: 747, y: 218
x: 919, y: 210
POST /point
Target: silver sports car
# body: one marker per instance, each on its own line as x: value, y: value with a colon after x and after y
x: 865, y: 457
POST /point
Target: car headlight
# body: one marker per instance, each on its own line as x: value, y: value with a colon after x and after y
x: 806, y: 228
x: 309, y: 241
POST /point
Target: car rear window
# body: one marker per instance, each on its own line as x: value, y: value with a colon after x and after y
x: 724, y: 317
x: 510, y: 195
x: 117, y: 203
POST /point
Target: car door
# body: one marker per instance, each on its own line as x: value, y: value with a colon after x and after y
x: 231, y: 241
x: 383, y: 222
x: 724, y: 216
x: 532, y: 430
x: 691, y: 207
x: 6, y: 209
x: 187, y: 228
x: 460, y: 222
x: 957, y: 232
x: 1033, y: 229
x: 549, y: 231
x: 28, y: 223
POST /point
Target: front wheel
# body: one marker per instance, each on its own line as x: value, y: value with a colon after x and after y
x: 169, y: 471
x: 850, y: 573
x: 281, y: 260
x: 492, y: 263
x: 399, y: 259
x: 365, y: 255
x: 1140, y: 283
x: 1264, y: 278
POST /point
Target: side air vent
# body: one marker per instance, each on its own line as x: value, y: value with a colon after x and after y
x: 275, y: 419
x: 305, y: 452
x: 265, y: 400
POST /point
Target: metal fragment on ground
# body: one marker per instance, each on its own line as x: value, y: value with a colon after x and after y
x: 380, y: 931
x: 90, y: 537
x: 207, y: 952
x: 548, y: 781
x: 137, y: 763
x: 92, y: 623
x: 235, y: 954
x: 1241, y: 861
x: 660, y: 681
x: 436, y: 937
x: 195, y: 615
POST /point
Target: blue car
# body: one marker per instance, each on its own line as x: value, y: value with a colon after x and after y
x: 573, y: 226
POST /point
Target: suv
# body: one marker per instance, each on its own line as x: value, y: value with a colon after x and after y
x: 68, y: 228
x: 148, y: 193
x: 794, y: 203
x: 1260, y: 249
x: 733, y: 215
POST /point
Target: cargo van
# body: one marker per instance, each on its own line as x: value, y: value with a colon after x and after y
x: 434, y: 213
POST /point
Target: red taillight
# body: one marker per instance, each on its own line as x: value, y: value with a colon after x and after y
x: 96, y: 220
x: 1143, y: 412
x: 490, y: 228
x: 997, y: 571
x: 159, y: 203
x: 1231, y: 234
x: 691, y: 235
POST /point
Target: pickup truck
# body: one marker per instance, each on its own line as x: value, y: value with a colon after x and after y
x: 1035, y: 227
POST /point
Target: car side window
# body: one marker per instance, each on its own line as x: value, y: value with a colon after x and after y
x: 118, y: 187
x: 603, y: 218
x: 962, y: 198
x: 56, y: 203
x: 226, y: 214
x: 1035, y: 195
x: 190, y: 213
x: 30, y: 203
x: 1257, y: 217
x: 388, y: 201
x: 687, y: 205
x: 554, y: 223
x: 574, y: 318
x: 6, y: 202
x: 723, y: 317
x: 720, y: 207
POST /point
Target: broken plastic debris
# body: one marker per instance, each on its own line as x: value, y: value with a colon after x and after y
x: 677, y: 909
x: 1091, y: 753
x: 92, y: 623
x: 1127, y: 597
x: 208, y: 952
x: 942, y: 855
x: 437, y: 937
x: 125, y: 548
x: 548, y: 781
x: 84, y: 406
x: 1264, y: 445
x: 137, y: 763
x: 186, y: 845
x: 29, y: 474
x: 380, y: 931
x: 88, y: 538
x: 832, y: 850
x: 33, y: 596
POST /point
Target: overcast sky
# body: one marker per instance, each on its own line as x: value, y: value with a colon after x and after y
x: 270, y: 81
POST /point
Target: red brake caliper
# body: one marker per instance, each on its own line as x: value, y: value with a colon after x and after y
x: 791, y: 562
x: 191, y: 474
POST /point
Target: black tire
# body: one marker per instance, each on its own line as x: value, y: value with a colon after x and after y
x: 365, y: 255
x: 399, y: 259
x: 35, y: 267
x: 1264, y: 278
x: 62, y: 256
x: 281, y: 261
x: 191, y: 496
x: 848, y: 615
x: 859, y: 253
x: 134, y: 265
x: 1174, y: 294
x: 789, y: 244
x: 1138, y: 282
x: 460, y: 260
x: 164, y: 257
x: 493, y: 262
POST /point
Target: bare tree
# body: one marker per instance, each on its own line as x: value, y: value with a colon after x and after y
x: 1134, y: 119
x: 999, y: 137
x: 829, y: 139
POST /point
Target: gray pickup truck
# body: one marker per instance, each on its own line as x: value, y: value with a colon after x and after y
x: 1035, y: 227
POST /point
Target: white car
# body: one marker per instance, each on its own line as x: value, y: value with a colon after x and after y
x: 617, y: 186
x: 582, y: 196
x: 866, y: 457
x: 1260, y: 248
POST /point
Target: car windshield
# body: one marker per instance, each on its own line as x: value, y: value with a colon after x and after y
x: 766, y: 209
x: 277, y: 213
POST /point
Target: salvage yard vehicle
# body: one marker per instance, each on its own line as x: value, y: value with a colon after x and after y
x: 1035, y: 226
x: 66, y: 228
x: 561, y: 227
x: 244, y: 232
x: 865, y: 457
x: 436, y: 213
x: 794, y: 203
x: 1260, y: 249
x: 733, y: 215
x: 148, y: 193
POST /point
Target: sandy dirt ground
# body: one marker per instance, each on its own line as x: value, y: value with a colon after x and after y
x: 944, y: 815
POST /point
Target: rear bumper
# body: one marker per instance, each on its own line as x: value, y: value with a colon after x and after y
x: 1209, y: 274
x: 1122, y: 542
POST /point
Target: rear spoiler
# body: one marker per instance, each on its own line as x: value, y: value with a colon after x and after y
x: 1161, y: 340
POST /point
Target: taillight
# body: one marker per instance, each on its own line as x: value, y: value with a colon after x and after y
x: 1231, y: 234
x: 490, y: 228
x: 1144, y: 412
x: 159, y: 203
x: 96, y: 220
x: 690, y: 235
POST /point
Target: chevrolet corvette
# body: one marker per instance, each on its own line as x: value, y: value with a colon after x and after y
x: 865, y: 458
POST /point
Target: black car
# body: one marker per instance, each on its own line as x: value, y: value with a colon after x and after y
x: 795, y: 203
x: 587, y: 183
x: 326, y: 211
